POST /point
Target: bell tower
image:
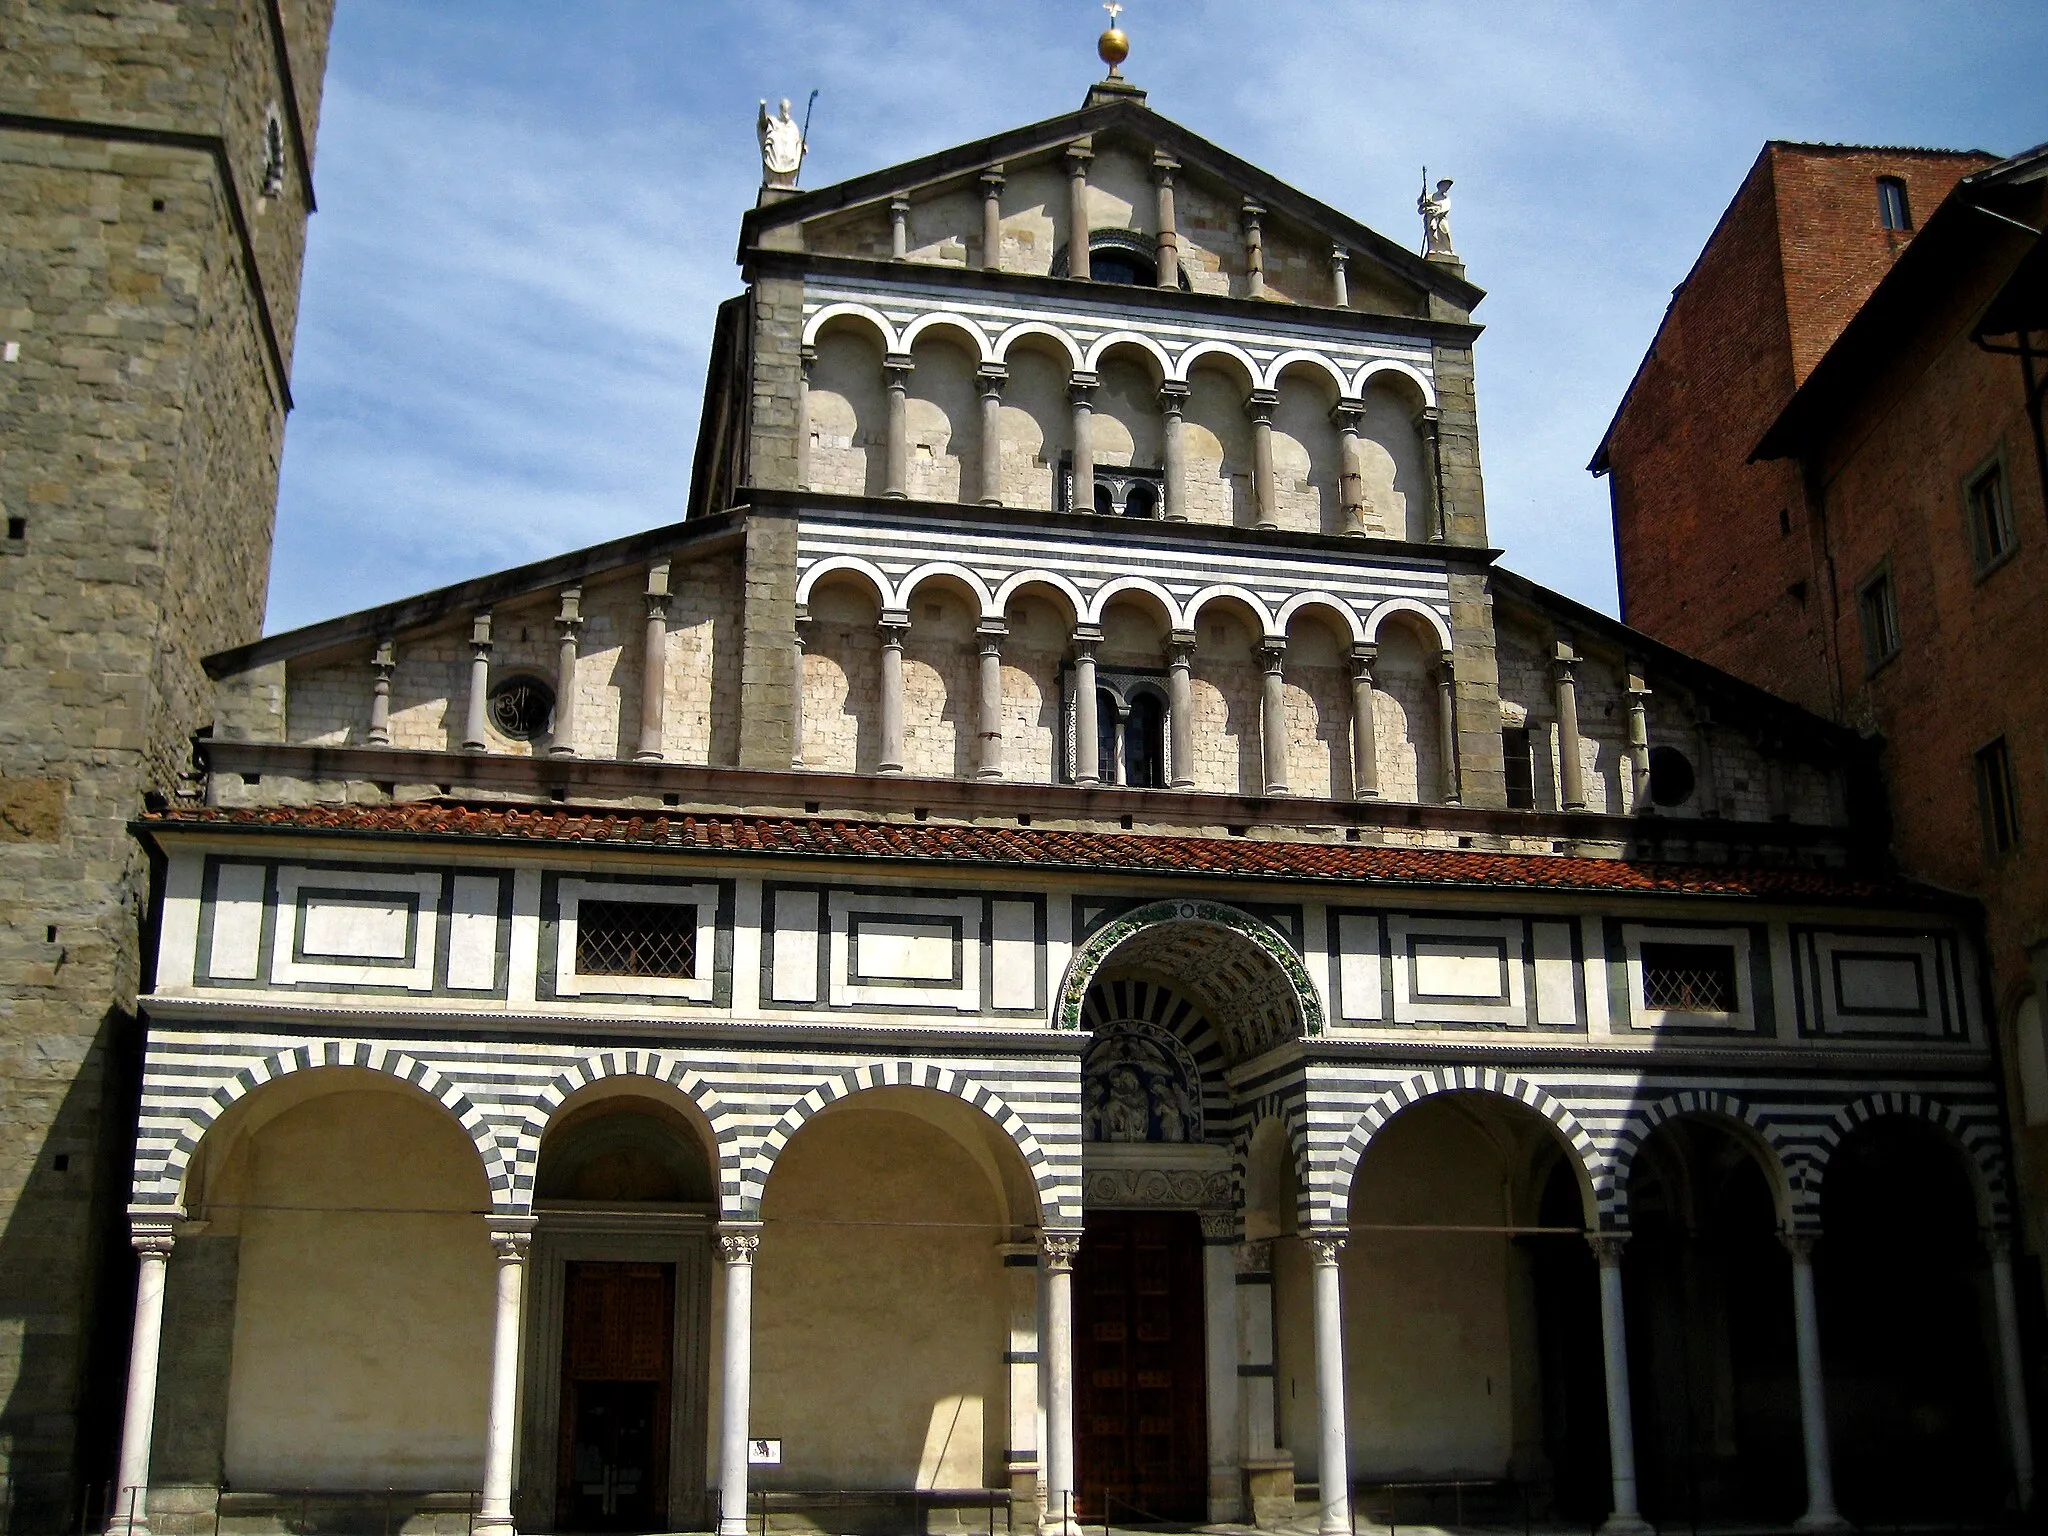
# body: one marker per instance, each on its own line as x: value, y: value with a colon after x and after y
x: 155, y: 181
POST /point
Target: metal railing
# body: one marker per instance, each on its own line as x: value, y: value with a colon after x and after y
x: 877, y: 1511
x: 298, y: 1511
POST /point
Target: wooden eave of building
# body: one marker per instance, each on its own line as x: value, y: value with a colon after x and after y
x: 1126, y: 114
x: 764, y: 261
x: 1999, y: 207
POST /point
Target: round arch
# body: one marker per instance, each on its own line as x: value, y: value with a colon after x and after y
x: 1185, y: 363
x: 1320, y: 602
x: 833, y: 565
x: 657, y: 1069
x: 1595, y: 1175
x: 1430, y: 618
x: 1976, y: 1144
x: 1052, y: 333
x: 946, y: 323
x: 1732, y: 1114
x: 884, y: 331
x: 1110, y: 590
x: 1250, y: 599
x: 1019, y: 581
x: 1391, y: 369
x: 1311, y: 362
x: 164, y: 1185
x: 1134, y: 339
x: 985, y: 603
x: 1059, y: 1189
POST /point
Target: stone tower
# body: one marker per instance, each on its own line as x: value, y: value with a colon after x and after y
x: 155, y: 180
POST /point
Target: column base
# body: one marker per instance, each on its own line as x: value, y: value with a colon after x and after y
x: 1626, y: 1525
x: 493, y: 1525
x: 657, y: 757
x: 1830, y: 1521
x: 1269, y: 1489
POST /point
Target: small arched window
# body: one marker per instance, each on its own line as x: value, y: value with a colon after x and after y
x: 1892, y: 210
x: 1145, y: 743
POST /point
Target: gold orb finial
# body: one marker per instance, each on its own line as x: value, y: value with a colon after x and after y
x: 1114, y: 46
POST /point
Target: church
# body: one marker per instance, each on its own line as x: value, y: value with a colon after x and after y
x: 1067, y: 948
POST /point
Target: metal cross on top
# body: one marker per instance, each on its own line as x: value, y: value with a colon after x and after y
x: 1115, y: 9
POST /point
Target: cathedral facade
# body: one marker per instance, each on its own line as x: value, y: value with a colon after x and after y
x: 1066, y: 947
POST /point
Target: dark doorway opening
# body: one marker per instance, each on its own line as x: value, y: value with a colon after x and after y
x: 1566, y: 1281
x: 1141, y: 1422
x: 618, y: 1321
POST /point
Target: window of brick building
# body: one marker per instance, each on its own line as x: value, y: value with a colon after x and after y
x: 1519, y: 753
x: 1997, y: 801
x: 1991, y: 536
x: 636, y: 938
x: 1892, y: 211
x: 1877, y: 606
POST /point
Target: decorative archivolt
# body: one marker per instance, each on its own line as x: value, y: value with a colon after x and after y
x: 1361, y: 624
x: 1350, y: 381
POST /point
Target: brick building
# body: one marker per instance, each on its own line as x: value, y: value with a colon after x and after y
x: 1715, y: 554
x: 155, y: 178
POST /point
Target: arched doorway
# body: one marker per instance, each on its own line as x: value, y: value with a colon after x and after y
x: 1905, y: 1328
x: 618, y: 1316
x: 1714, y: 1373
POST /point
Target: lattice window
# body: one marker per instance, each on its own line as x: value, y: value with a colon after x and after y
x: 1689, y: 978
x: 636, y: 938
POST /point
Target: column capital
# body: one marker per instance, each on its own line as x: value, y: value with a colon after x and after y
x: 1365, y: 655
x: 1077, y: 156
x: 1998, y: 1243
x: 1272, y: 652
x: 1339, y: 256
x: 1180, y: 647
x: 1085, y: 638
x: 1250, y: 213
x: 153, y: 1239
x: 1638, y: 687
x: 992, y: 633
x: 993, y: 180
x: 806, y: 355
x: 480, y: 634
x: 738, y: 1240
x: 1080, y: 383
x: 1607, y: 1247
x: 1173, y: 396
x: 894, y: 624
x: 1163, y: 166
x: 1059, y: 1249
x: 1563, y: 658
x: 1325, y: 1245
x: 898, y: 363
x: 1260, y: 405
x: 1255, y: 1258
x: 385, y: 658
x: 899, y: 205
x: 991, y: 377
x: 569, y: 617
x: 1348, y: 414
x: 657, y: 580
x: 1219, y: 1227
x: 1800, y: 1244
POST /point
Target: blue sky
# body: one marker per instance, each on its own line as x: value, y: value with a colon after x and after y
x: 528, y: 212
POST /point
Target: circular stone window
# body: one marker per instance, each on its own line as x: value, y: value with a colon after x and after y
x: 522, y: 708
x: 1671, y: 776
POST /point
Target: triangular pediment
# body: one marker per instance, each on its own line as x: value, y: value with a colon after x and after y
x: 939, y: 200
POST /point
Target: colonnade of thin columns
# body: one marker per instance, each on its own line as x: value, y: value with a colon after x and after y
x: 894, y: 629
x: 1249, y: 1402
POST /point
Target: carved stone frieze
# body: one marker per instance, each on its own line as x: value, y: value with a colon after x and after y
x: 1170, y: 1187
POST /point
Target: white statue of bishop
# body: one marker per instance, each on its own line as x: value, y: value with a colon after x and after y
x: 782, y: 147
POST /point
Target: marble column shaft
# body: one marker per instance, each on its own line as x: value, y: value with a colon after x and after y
x: 478, y: 703
x: 1333, y: 1472
x: 654, y: 667
x: 568, y: 624
x: 1273, y: 713
x: 1078, y: 228
x: 989, y: 381
x: 382, y: 665
x: 1163, y: 167
x: 992, y: 219
x: 893, y: 628
x: 989, y: 735
x: 1060, y: 1249
x: 1087, y: 744
x: 1173, y: 399
x: 1365, y: 758
x: 736, y: 1246
x: 130, y: 1494
x: 1627, y: 1519
x: 501, y: 1423
x: 896, y: 468
x: 1571, y: 772
x: 1180, y: 709
x: 1447, y: 725
x: 1081, y: 391
x: 1265, y: 483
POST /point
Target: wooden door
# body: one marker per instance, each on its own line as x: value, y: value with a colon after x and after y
x: 1140, y: 1411
x: 618, y: 1336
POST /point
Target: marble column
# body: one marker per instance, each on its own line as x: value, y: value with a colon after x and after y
x: 1087, y: 744
x: 1060, y: 1249
x: 736, y: 1245
x: 1081, y: 391
x: 1173, y: 400
x: 1333, y: 1472
x: 1180, y: 709
x: 1273, y: 712
x: 796, y: 693
x: 654, y: 667
x: 1627, y: 1519
x: 989, y: 382
x: 1078, y: 227
x: 1021, y: 1360
x: 1265, y: 484
x: 1821, y: 1514
x: 989, y: 735
x: 2012, y: 1373
x: 896, y: 377
x: 1349, y: 415
x: 1571, y: 771
x: 1219, y: 1319
x: 1365, y: 752
x: 899, y: 228
x: 992, y: 219
x: 473, y: 719
x: 501, y: 1425
x: 130, y: 1495
x: 1432, y: 452
x: 807, y: 357
x: 894, y: 626
x: 1447, y: 724
x: 1163, y: 167
x: 382, y: 664
x: 1639, y: 742
x: 568, y: 625
x: 1340, y: 279
x: 1254, y: 251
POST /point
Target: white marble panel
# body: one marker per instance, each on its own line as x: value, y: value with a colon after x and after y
x: 1014, y: 979
x: 794, y: 978
x: 473, y: 933
x: 236, y: 953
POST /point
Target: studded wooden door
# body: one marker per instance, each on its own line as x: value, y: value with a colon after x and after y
x: 1140, y: 1393
x: 617, y: 1344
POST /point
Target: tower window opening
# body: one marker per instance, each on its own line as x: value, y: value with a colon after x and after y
x: 1120, y: 491
x: 1892, y: 211
x: 1519, y: 754
x: 1144, y: 732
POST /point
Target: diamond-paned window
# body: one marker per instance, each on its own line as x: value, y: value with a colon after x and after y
x: 636, y: 938
x: 1689, y: 978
